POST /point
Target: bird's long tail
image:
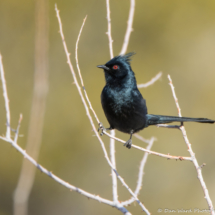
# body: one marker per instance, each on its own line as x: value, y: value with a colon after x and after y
x: 159, y: 119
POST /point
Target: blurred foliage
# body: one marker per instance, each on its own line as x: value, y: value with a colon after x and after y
x: 176, y: 37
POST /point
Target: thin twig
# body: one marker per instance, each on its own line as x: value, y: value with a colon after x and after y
x: 152, y: 81
x: 88, y: 113
x: 76, y: 82
x: 113, y: 160
x: 142, y: 165
x: 79, y: 72
x: 192, y: 154
x: 168, y: 126
x: 174, y: 96
x: 113, y: 133
x: 17, y: 130
x: 141, y: 138
x: 141, y: 173
x: 149, y: 151
x: 129, y: 27
x: 5, y: 95
x: 109, y: 29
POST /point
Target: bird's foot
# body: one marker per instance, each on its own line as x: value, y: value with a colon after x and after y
x: 128, y: 143
x: 101, y: 127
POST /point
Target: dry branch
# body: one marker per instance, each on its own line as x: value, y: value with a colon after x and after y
x: 192, y: 154
x: 6, y: 100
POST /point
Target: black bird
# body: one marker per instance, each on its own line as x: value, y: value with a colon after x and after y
x: 123, y: 104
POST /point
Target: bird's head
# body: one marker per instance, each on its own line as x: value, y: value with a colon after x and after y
x: 118, y: 67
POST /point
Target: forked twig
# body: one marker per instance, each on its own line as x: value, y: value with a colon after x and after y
x: 79, y: 72
x: 141, y: 173
x: 192, y: 154
x: 42, y: 169
x: 53, y: 176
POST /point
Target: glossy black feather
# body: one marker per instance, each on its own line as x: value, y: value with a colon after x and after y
x: 123, y: 104
x: 160, y: 119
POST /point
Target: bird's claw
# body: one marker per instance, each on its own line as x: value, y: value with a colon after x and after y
x: 128, y: 143
x: 101, y: 127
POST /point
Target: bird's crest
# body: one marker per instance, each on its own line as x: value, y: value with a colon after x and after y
x: 126, y: 57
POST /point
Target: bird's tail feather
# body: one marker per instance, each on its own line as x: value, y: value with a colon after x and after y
x: 159, y: 119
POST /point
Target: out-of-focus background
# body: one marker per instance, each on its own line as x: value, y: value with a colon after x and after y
x: 175, y: 37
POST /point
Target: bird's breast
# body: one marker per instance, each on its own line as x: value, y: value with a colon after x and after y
x: 118, y: 101
x: 125, y: 109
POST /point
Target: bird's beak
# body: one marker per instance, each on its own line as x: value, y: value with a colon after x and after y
x: 103, y: 67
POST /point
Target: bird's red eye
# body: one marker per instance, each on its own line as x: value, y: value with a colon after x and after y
x: 115, y: 67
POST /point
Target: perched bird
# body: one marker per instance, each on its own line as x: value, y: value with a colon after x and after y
x: 123, y: 104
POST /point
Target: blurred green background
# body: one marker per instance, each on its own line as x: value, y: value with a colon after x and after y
x: 175, y: 37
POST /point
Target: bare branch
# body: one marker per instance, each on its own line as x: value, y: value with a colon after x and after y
x: 192, y: 154
x: 109, y: 29
x: 17, y: 130
x: 74, y: 75
x: 112, y: 148
x: 53, y: 176
x: 142, y: 165
x: 150, y: 152
x: 168, y: 126
x: 141, y: 173
x: 5, y: 95
x: 113, y: 160
x: 174, y: 96
x: 79, y: 72
x: 129, y: 27
x: 89, y: 103
x: 141, y: 138
x: 62, y: 182
x: 113, y: 133
x: 152, y: 81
